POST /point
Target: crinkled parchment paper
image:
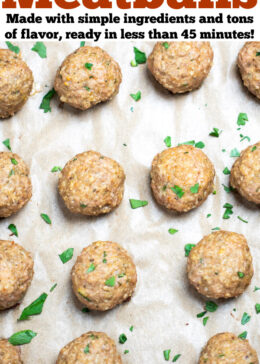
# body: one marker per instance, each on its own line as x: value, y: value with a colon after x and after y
x: 163, y: 309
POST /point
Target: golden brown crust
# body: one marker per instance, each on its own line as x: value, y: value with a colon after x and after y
x: 15, y: 184
x: 16, y: 81
x: 183, y: 166
x: 83, y: 87
x: 182, y: 66
x: 99, y: 262
x: 220, y: 265
x: 245, y: 173
x: 91, y: 184
x: 101, y: 349
x: 16, y: 273
x: 9, y: 354
x: 227, y: 348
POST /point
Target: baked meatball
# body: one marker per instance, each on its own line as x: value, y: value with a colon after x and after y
x: 91, y: 184
x: 86, y: 77
x: 9, y: 354
x: 15, y: 184
x: 180, y: 66
x: 103, y: 276
x: 227, y: 348
x: 90, y: 348
x: 245, y: 173
x: 16, y: 81
x: 220, y: 265
x: 248, y: 61
x: 16, y: 273
x: 182, y: 178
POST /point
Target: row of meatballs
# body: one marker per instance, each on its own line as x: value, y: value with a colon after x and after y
x: 90, y: 75
x: 91, y: 184
x: 104, y: 275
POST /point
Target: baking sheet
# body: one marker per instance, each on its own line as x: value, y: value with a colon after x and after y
x: 163, y: 309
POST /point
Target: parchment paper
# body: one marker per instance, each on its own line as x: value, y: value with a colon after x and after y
x: 163, y: 309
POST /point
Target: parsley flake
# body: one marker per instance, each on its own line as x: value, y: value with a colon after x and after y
x: 45, y: 104
x: 240, y: 218
x: 137, y: 203
x: 241, y: 274
x: 13, y: 48
x: 53, y: 287
x: 131, y: 328
x: 243, y: 335
x: 172, y: 231
x: 226, y: 171
x: 176, y: 357
x: 253, y: 149
x: 178, y: 191
x: 46, y: 218
x: 86, y: 350
x: 88, y: 66
x: 234, y: 153
x: 188, y: 248
x: 56, y: 169
x: 245, y: 318
x: 13, y: 229
x: 140, y: 57
x: 35, y: 308
x: 22, y: 337
x: 91, y: 268
x: 136, y: 96
x: 39, y: 47
x: 82, y: 43
x: 242, y: 118
x: 257, y: 308
x: 201, y: 314
x: 6, y: 142
x: 66, y: 255
x: 205, y: 320
x: 215, y: 133
x: 228, y: 211
x: 110, y: 282
x: 122, y: 339
x: 166, y: 354
x: 168, y: 141
x: 195, y: 188
x: 166, y: 45
x: 211, y: 306
x: 126, y: 351
x: 14, y: 161
x: 256, y: 289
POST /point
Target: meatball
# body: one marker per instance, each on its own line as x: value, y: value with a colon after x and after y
x: 90, y: 348
x: 15, y: 184
x: 180, y: 66
x: 248, y: 61
x: 16, y: 81
x: 86, y: 77
x: 103, y: 276
x: 9, y: 354
x: 220, y: 265
x: 245, y: 173
x: 16, y: 273
x: 182, y: 178
x: 91, y: 184
x: 227, y: 348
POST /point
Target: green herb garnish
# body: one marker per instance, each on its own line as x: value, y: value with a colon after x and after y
x: 188, y: 248
x: 13, y: 48
x: 35, y: 308
x: 45, y: 104
x: 140, y: 57
x: 56, y: 169
x: 243, y: 335
x: 241, y: 274
x: 40, y: 48
x: 240, y: 218
x: 257, y: 308
x: 226, y: 171
x: 14, y: 161
x: 245, y: 318
x: 178, y: 191
x: 110, y: 282
x: 234, y: 153
x: 168, y: 141
x: 66, y: 255
x: 6, y: 142
x: 211, y: 306
x: 136, y: 96
x: 242, y: 118
x: 176, y: 357
x: 46, y: 218
x: 166, y: 354
x: 166, y: 45
x: 137, y: 203
x: 122, y: 339
x: 172, y: 231
x: 86, y: 350
x: 205, y: 320
x: 53, y: 287
x: 215, y: 133
x: 195, y: 188
x: 22, y: 337
x: 82, y: 43
x: 88, y: 66
x: 13, y: 229
x: 228, y: 211
x: 91, y: 268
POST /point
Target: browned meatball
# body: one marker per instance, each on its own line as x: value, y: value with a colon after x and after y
x: 16, y: 273
x: 245, y: 173
x: 91, y: 184
x: 182, y: 178
x: 90, y: 348
x: 220, y: 265
x: 15, y: 184
x: 86, y: 77
x: 248, y: 61
x: 16, y: 81
x: 103, y: 276
x: 227, y: 348
x: 9, y: 354
x: 180, y: 66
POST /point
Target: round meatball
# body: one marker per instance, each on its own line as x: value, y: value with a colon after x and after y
x: 180, y: 66
x: 220, y: 265
x: 245, y: 173
x: 103, y: 276
x: 16, y: 273
x: 227, y: 348
x: 249, y: 66
x: 91, y: 184
x: 90, y: 348
x: 9, y: 354
x: 15, y: 184
x: 16, y: 81
x: 86, y: 77
x: 182, y: 178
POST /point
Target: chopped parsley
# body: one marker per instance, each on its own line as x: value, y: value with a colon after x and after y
x: 45, y: 104
x: 195, y: 188
x: 178, y: 191
x: 243, y: 335
x: 137, y: 203
x: 228, y: 211
x: 11, y: 173
x: 245, y: 318
x: 131, y: 328
x: 14, y: 161
x: 201, y: 314
x: 85, y: 309
x: 22, y: 337
x: 82, y: 43
x: 215, y: 133
x: 240, y: 218
x: 188, y: 248
x: 257, y: 308
x: 216, y: 228
x: 13, y: 229
x: 91, y: 268
x: 66, y: 255
x: 86, y: 350
x: 53, y: 287
x: 166, y: 45
x: 176, y: 357
x: 122, y: 338
x: 200, y: 145
x: 133, y: 63
x: 208, y: 215
x: 13, y: 48
x: 88, y: 66
x: 39, y: 47
x: 35, y: 308
x: 256, y: 289
x: 6, y: 142
x: 136, y: 96
x: 166, y: 354
x: 227, y: 189
x: 241, y: 274
x: 110, y: 282
x: 243, y: 137
x: 234, y: 153
x: 211, y: 306
x: 56, y: 169
x: 253, y: 148
x: 140, y: 57
x: 126, y: 351
x: 46, y: 218
x: 242, y: 118
x: 226, y: 171
x: 168, y: 141
x: 172, y: 231
x: 83, y: 206
x: 257, y: 54
x: 205, y: 320
x: 87, y: 88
